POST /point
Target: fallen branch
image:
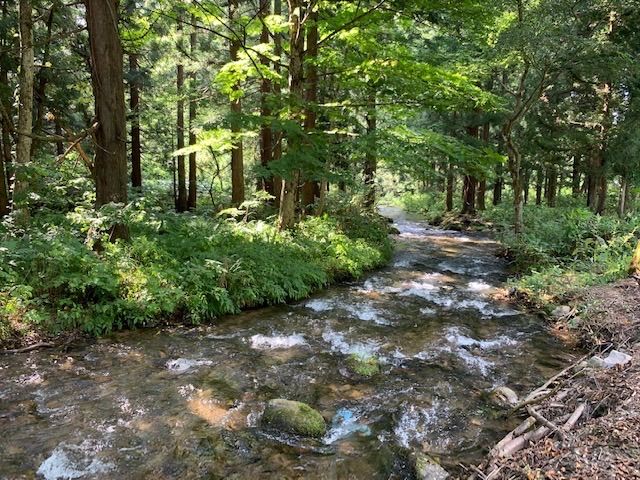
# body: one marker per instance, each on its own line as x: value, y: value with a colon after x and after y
x: 544, y: 421
x: 29, y: 348
x: 575, y: 416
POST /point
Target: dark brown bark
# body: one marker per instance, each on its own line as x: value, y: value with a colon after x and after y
x: 469, y: 195
x: 552, y: 188
x: 134, y: 107
x: 470, y: 184
x: 497, y: 190
x: 277, y: 136
x: 5, y: 155
x: 541, y: 185
x: 134, y: 111
x: 181, y: 200
x: 237, y: 155
x: 311, y: 187
x: 266, y: 89
x: 59, y: 144
x: 450, y: 188
x: 481, y: 195
x: 108, y: 88
x: 192, y: 199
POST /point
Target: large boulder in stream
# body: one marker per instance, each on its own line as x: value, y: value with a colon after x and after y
x: 294, y: 417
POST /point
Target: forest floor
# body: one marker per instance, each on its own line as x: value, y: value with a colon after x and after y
x: 604, y: 443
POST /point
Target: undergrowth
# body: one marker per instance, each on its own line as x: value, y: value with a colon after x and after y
x: 564, y: 249
x: 61, y: 273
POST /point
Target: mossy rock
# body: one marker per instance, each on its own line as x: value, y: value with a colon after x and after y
x: 294, y: 417
x: 364, y: 366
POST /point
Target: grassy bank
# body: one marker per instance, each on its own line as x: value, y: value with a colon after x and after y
x: 60, y: 275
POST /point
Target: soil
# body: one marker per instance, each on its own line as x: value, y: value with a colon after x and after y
x: 605, y: 441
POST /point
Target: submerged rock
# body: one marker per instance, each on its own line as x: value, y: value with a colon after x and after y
x: 366, y: 366
x: 294, y: 417
x: 427, y: 468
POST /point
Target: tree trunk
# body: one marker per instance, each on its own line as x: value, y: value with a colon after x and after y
x: 5, y: 150
x: 266, y: 133
x: 192, y: 199
x: 515, y: 169
x: 108, y: 90
x: 575, y: 177
x: 623, y: 197
x: 237, y: 155
x: 541, y: 183
x: 497, y: 186
x: 40, y: 97
x: 25, y: 109
x: 311, y: 187
x: 181, y: 201
x: 450, y: 188
x: 286, y: 217
x: 277, y: 146
x: 481, y: 195
x: 371, y: 160
x: 552, y: 190
x: 469, y: 195
x: 134, y: 107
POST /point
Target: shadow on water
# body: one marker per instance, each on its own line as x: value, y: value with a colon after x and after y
x: 186, y: 403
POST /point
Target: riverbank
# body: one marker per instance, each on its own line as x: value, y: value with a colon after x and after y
x: 176, y: 269
x: 585, y: 422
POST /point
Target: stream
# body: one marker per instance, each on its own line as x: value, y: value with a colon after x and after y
x: 186, y: 402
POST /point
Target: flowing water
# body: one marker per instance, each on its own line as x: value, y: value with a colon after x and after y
x: 186, y: 403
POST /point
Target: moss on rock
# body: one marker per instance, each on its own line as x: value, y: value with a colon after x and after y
x: 294, y: 417
x: 364, y: 366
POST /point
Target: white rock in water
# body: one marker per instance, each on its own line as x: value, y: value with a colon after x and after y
x: 616, y: 358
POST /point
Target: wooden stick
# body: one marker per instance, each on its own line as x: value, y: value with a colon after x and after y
x: 547, y: 423
x: 28, y: 349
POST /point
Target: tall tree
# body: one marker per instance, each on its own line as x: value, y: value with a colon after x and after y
x: 181, y: 200
x: 193, y: 105
x: 311, y: 187
x: 266, y: 89
x: 134, y: 110
x: 110, y: 164
x: 286, y: 214
x: 25, y: 107
x: 237, y: 155
x: 371, y: 157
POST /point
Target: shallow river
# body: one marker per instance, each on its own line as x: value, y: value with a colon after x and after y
x: 186, y: 403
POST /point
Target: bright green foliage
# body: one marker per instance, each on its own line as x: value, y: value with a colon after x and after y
x: 566, y: 248
x: 364, y: 366
x: 189, y: 267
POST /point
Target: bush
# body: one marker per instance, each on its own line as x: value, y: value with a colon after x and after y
x: 566, y: 248
x: 191, y: 268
